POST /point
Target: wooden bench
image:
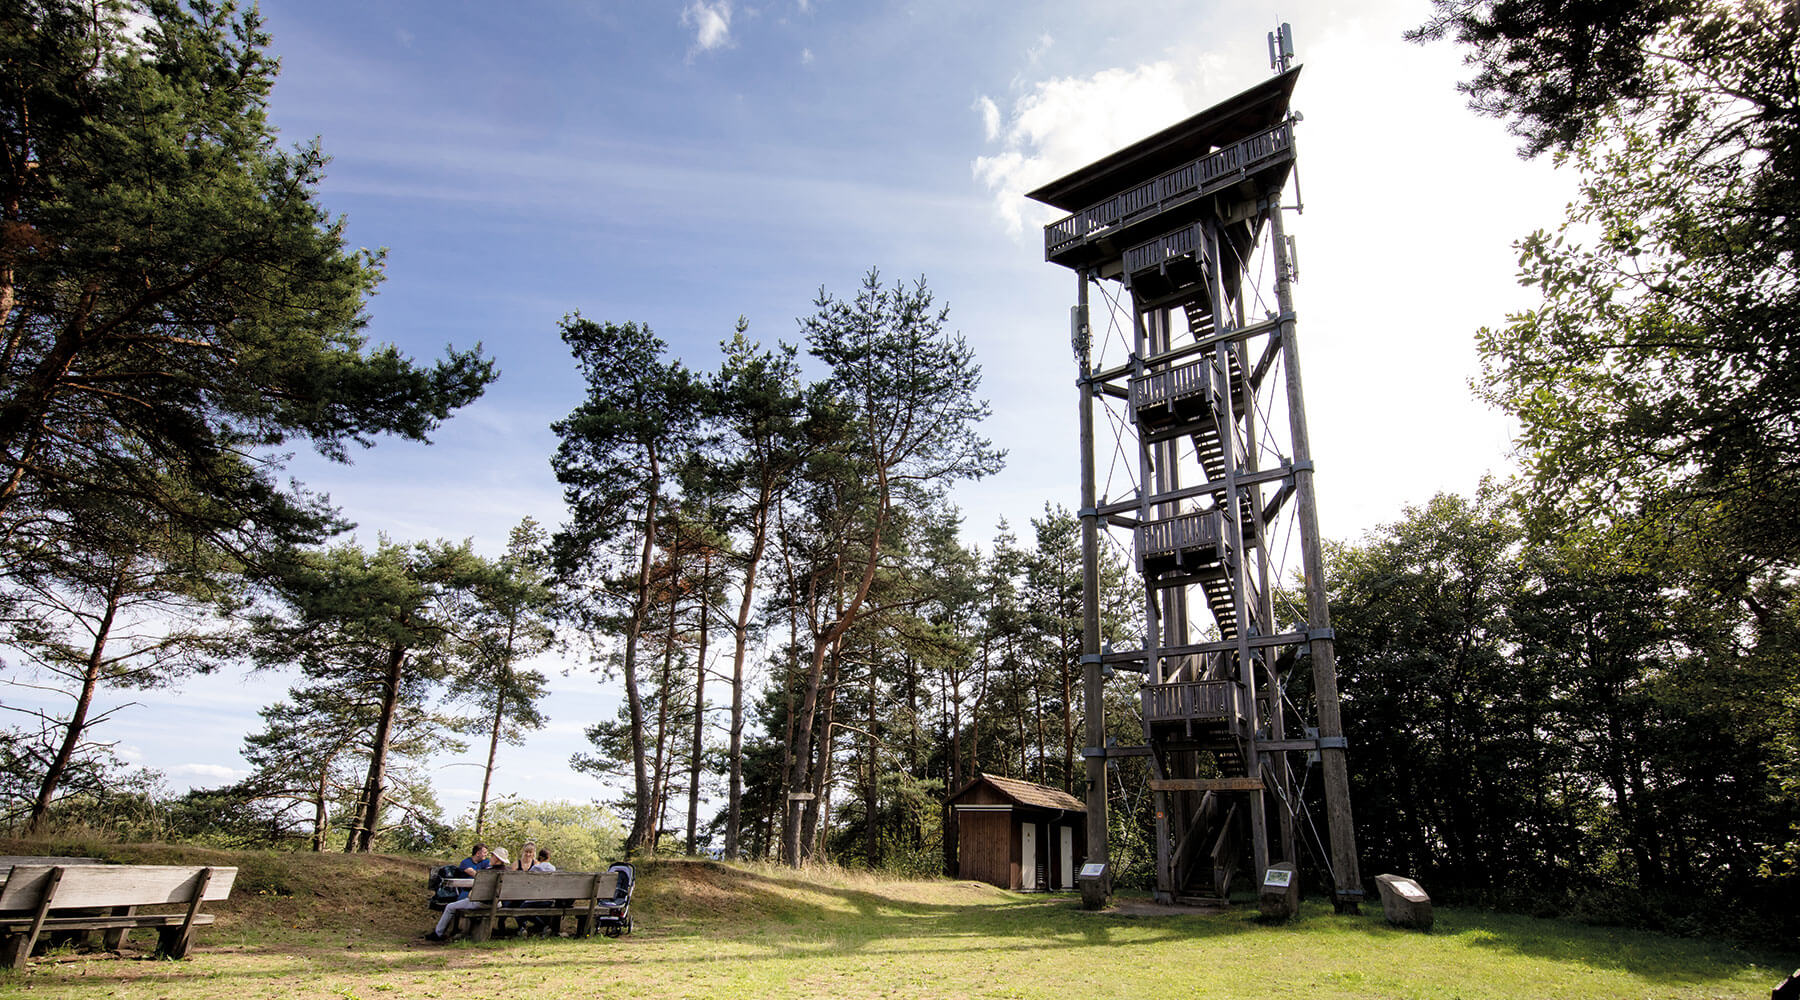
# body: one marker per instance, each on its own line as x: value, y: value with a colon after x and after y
x: 570, y: 894
x: 7, y: 861
x: 49, y: 898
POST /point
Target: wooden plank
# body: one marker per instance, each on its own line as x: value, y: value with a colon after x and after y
x: 102, y: 921
x: 489, y: 886
x: 174, y: 941
x: 46, y: 894
x: 112, y: 885
x: 1206, y: 784
x: 585, y: 925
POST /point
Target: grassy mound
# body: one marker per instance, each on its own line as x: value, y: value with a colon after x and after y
x: 338, y: 925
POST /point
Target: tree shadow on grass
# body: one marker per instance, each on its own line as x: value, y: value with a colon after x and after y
x: 1657, y: 958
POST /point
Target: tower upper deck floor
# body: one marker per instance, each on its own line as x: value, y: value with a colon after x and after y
x: 1169, y: 179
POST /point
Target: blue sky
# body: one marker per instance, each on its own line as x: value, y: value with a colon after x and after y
x: 680, y: 164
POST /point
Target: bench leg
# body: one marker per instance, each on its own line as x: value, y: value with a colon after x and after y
x: 113, y: 938
x: 172, y: 942
x: 14, y: 949
x: 482, y: 928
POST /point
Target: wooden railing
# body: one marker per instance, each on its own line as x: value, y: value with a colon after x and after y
x: 1193, y: 700
x: 1183, y: 242
x: 1202, y: 529
x: 1214, y: 171
x: 1199, y: 378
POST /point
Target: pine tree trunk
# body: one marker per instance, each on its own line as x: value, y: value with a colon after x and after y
x: 693, y: 811
x: 364, y: 831
x: 809, y: 705
x: 637, y: 840
x: 487, y: 773
x: 871, y: 794
x: 734, y: 802
x: 84, y: 700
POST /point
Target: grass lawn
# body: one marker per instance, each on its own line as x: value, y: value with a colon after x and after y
x: 331, y: 926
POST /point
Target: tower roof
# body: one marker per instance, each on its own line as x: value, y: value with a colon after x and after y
x: 1260, y: 107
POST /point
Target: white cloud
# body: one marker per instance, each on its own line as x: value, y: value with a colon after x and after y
x: 215, y: 771
x: 990, y: 117
x: 711, y: 23
x: 1061, y: 124
x: 805, y: 6
x: 806, y: 57
x: 1041, y: 46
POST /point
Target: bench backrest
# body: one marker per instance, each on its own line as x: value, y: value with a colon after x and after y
x: 111, y: 885
x: 490, y: 885
x: 9, y: 860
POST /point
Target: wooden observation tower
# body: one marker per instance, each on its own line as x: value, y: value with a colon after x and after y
x: 1191, y: 350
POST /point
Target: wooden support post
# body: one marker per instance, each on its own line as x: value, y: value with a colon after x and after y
x: 482, y: 927
x: 113, y: 938
x: 1335, y: 770
x: 1094, y: 892
x: 17, y: 947
x: 585, y: 925
x: 172, y: 942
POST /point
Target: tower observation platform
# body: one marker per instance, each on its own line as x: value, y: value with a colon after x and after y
x: 1185, y: 333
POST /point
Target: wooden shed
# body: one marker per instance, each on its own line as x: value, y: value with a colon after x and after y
x: 1018, y: 835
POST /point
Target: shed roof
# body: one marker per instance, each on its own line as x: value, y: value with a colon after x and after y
x: 1025, y: 793
x: 1257, y: 108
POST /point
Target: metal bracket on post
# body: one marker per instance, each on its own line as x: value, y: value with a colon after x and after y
x: 1316, y: 634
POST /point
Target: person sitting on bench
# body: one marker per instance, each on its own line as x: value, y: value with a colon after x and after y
x: 479, y: 859
x: 530, y: 925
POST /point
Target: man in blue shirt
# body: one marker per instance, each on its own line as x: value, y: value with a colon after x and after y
x: 479, y: 859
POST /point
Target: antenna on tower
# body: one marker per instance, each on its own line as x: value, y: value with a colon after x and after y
x: 1281, y: 47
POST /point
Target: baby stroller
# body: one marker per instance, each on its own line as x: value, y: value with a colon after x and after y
x: 615, y: 913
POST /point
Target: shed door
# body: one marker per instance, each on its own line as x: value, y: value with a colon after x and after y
x: 1028, y: 855
x: 1068, y: 856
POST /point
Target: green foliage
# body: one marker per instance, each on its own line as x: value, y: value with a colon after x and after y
x: 1655, y: 382
x: 580, y: 836
x: 173, y: 301
x: 1556, y: 68
x: 508, y: 621
x: 1536, y: 726
x: 92, y: 607
x: 617, y: 455
x: 380, y: 629
x: 119, y: 803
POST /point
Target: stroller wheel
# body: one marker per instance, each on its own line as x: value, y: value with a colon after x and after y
x: 628, y: 923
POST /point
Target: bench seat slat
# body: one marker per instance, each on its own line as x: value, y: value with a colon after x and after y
x: 493, y: 888
x: 539, y: 885
x: 104, y: 922
x: 111, y: 885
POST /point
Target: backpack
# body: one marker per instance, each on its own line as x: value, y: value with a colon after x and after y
x: 441, y: 893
